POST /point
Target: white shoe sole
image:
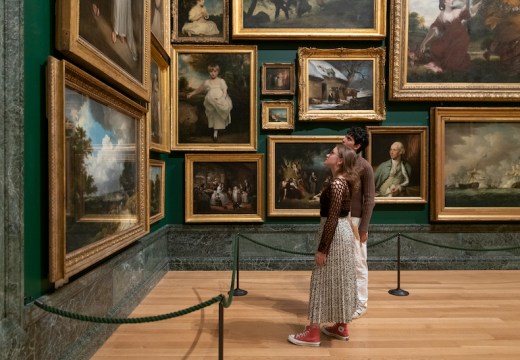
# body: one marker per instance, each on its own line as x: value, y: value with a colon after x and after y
x: 295, y: 341
x: 328, y: 333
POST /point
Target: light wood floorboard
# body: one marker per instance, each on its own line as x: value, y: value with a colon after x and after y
x: 448, y: 315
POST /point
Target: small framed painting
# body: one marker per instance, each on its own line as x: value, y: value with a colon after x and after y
x: 277, y: 79
x: 278, y: 115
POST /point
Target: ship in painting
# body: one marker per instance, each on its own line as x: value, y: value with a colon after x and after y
x: 512, y: 176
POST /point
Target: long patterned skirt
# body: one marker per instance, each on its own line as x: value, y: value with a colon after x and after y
x: 333, y: 291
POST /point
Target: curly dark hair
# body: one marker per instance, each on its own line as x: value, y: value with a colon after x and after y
x: 360, y: 136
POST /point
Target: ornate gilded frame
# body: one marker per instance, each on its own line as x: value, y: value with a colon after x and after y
x: 270, y: 73
x: 273, y: 111
x: 220, y: 19
x: 159, y: 109
x: 98, y: 163
x: 341, y: 84
x: 156, y: 189
x: 204, y: 190
x: 83, y: 33
x: 292, y: 156
x: 415, y: 142
x: 160, y: 23
x: 328, y: 21
x: 485, y: 77
x: 190, y: 128
x: 475, y: 170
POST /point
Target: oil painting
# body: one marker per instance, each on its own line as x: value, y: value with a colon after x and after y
x: 399, y: 157
x: 200, y: 21
x: 455, y: 50
x: 224, y: 188
x: 315, y: 19
x: 97, y: 170
x: 476, y: 170
x: 296, y: 174
x: 214, y: 97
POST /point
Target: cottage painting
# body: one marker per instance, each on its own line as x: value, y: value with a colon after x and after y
x: 341, y: 85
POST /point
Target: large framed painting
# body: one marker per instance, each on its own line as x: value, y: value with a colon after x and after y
x: 98, y: 164
x: 200, y: 21
x: 309, y: 19
x: 160, y: 20
x: 156, y: 186
x: 224, y: 188
x: 296, y: 174
x: 476, y: 166
x: 159, y: 107
x: 341, y: 84
x: 214, y: 97
x: 399, y: 157
x: 278, y: 115
x: 109, y: 38
x: 455, y: 50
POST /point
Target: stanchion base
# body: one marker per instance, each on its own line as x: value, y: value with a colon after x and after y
x: 398, y: 292
x: 239, y: 292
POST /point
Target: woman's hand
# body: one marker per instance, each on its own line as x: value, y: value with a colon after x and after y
x: 320, y: 258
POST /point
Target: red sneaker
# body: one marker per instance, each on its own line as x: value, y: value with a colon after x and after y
x: 309, y: 337
x: 338, y: 330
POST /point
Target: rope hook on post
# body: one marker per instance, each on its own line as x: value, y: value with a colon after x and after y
x: 398, y: 291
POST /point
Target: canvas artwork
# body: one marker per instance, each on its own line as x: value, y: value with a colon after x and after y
x: 277, y: 115
x: 309, y: 18
x: 200, y: 21
x: 341, y: 84
x: 399, y: 155
x: 453, y: 49
x: 156, y: 186
x: 115, y: 28
x: 160, y: 22
x: 297, y: 174
x: 277, y: 79
x: 476, y: 170
x: 214, y: 98
x: 224, y: 187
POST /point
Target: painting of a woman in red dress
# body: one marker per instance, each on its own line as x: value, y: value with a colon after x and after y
x: 447, y: 40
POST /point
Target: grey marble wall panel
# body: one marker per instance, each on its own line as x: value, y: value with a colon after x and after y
x: 287, y: 247
x: 112, y: 289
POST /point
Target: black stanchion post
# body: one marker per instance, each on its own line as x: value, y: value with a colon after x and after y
x: 238, y: 291
x: 220, y: 330
x: 398, y: 291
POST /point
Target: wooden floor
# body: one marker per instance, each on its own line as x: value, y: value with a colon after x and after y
x: 448, y: 315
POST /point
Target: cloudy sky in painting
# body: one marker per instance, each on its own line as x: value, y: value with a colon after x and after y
x: 486, y: 148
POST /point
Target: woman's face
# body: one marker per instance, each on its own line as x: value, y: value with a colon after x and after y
x: 332, y: 158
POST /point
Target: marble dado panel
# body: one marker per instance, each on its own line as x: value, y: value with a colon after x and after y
x: 422, y: 247
x: 113, y: 289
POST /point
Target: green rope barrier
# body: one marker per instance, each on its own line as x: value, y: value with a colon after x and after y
x: 302, y: 253
x: 108, y: 320
x: 227, y: 302
x: 458, y: 248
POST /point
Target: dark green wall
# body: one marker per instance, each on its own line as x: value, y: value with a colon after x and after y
x: 39, y: 44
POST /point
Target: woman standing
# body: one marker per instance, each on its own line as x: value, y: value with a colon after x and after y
x: 333, y: 282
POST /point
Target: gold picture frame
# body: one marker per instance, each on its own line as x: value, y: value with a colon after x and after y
x: 224, y: 188
x: 160, y: 23
x: 236, y: 68
x: 98, y: 163
x: 156, y: 189
x: 159, y: 113
x: 278, y: 79
x: 296, y: 174
x: 408, y: 146
x: 475, y: 170
x: 341, y: 84
x: 212, y: 28
x: 115, y: 51
x: 278, y: 115
x: 284, y: 20
x: 473, y: 60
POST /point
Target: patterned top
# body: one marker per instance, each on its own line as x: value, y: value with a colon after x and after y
x: 334, y: 203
